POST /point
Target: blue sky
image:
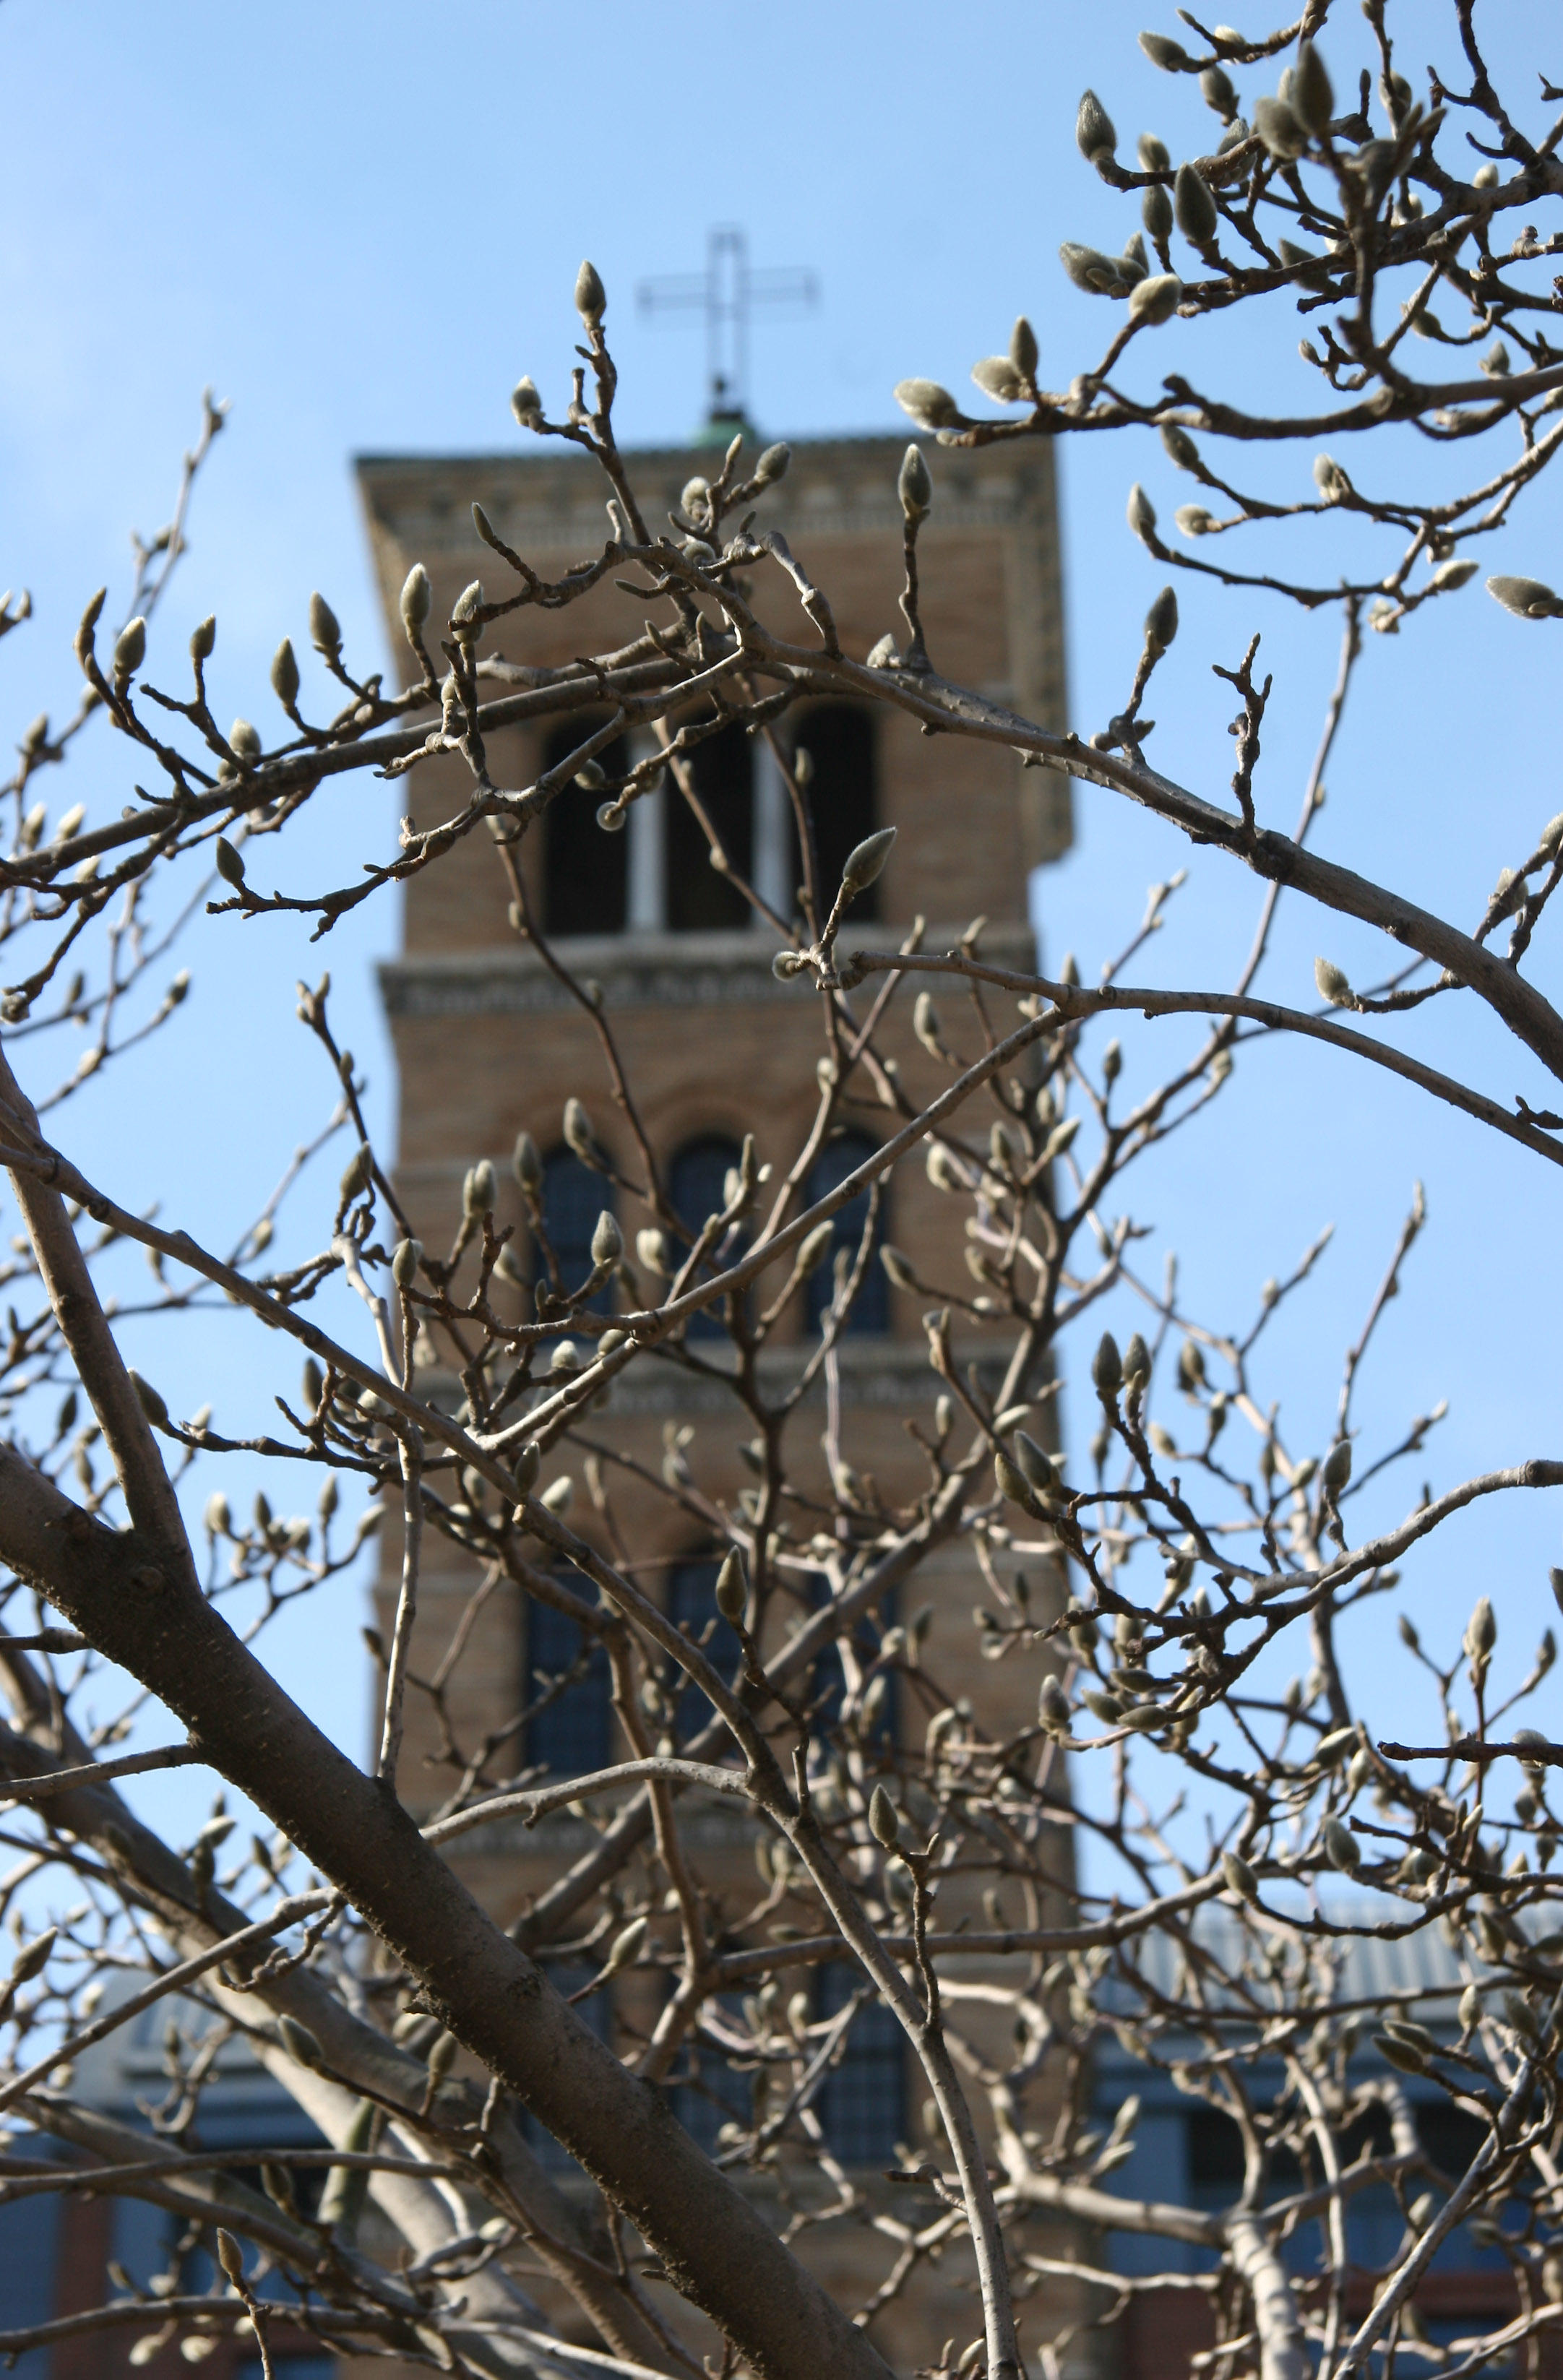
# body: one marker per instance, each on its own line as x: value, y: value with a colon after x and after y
x: 361, y: 224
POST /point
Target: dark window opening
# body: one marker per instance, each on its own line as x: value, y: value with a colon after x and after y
x: 842, y: 794
x: 585, y: 872
x: 862, y: 2103
x: 699, y: 897
x: 826, y: 1684
x: 696, y: 1187
x: 570, y: 1731
x: 691, y: 1605
x: 870, y: 1307
x: 710, y: 2092
x: 573, y: 1200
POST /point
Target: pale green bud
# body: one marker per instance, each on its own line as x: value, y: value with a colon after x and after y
x: 730, y: 1592
x: 1219, y: 93
x: 244, y: 741
x: 897, y: 1267
x: 358, y: 1171
x: 1279, y: 130
x: 405, y: 1261
x: 815, y: 1248
x: 1165, y: 53
x: 772, y: 465
x: 526, y: 404
x: 151, y: 1403
x: 1103, y: 276
x: 1156, y: 211
x: 529, y: 1466
x: 914, y: 486
x: 1240, y: 1877
x: 1141, y: 513
x: 325, y: 627
x: 230, y: 866
x: 883, y: 1823
x: 1336, y: 1471
x: 1180, y: 446
x: 607, y: 1240
x: 1154, y: 154
x: 1094, y: 134
x: 1310, y: 93
x: 1332, y: 985
x: 203, y: 638
x: 466, y: 607
x: 526, y: 1165
x: 591, y: 298
x: 1194, y: 207
x: 627, y: 1947
x: 1194, y: 520
x: 577, y: 1128
x: 929, y: 405
x: 479, y: 1189
x: 1528, y: 598
x: 997, y: 377
x: 1342, y: 1847
x: 1161, y: 621
x: 130, y: 651
x: 866, y: 860
x: 1156, y: 300
x: 1052, y: 1706
x: 1022, y: 348
x: 417, y: 599
x: 1107, y: 1368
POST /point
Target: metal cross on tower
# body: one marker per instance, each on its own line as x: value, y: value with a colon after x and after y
x: 727, y: 292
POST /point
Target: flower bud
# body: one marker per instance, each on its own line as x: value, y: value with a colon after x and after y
x: 1342, y: 1847
x: 203, y: 638
x: 1332, y: 985
x: 1156, y: 300
x: 1481, y: 1633
x: 1036, y: 1468
x: 1240, y: 1877
x: 1094, y: 135
x: 626, y: 1948
x: 1103, y: 276
x: 558, y: 1496
x: 151, y: 1403
x: 285, y: 674
x: 230, y: 866
x: 404, y: 1262
x: 1012, y: 1483
x: 230, y: 2255
x: 591, y: 298
x: 772, y: 463
x: 1310, y: 94
x: 730, y: 1592
x: 883, y: 1823
x: 1528, y: 598
x: 1156, y: 212
x: 1107, y: 1368
x: 930, y: 407
x: 1454, y: 574
x: 417, y: 599
x: 526, y: 404
x: 466, y: 607
x: 914, y: 486
x: 1470, y: 2010
x: 1052, y: 1706
x: 1194, y: 207
x: 1022, y: 348
x: 1179, y: 446
x: 130, y: 651
x: 89, y: 622
x: 529, y: 1466
x: 897, y: 1267
x: 357, y: 1172
x: 997, y: 377
x: 526, y: 1165
x: 1219, y: 93
x: 324, y: 628
x: 244, y: 741
x: 577, y: 1128
x: 652, y: 1247
x: 815, y: 1248
x: 300, y: 2043
x: 1136, y: 1361
x: 1165, y: 53
x: 1141, y: 513
x: 1154, y: 154
x: 479, y: 1189
x: 866, y: 860
x: 1161, y: 621
x: 1337, y: 1470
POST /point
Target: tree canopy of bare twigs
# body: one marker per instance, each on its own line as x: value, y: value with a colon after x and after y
x: 1403, y: 221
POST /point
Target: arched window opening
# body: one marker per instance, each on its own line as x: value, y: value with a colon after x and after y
x: 842, y: 794
x: 698, y: 899
x: 862, y: 2102
x: 585, y: 871
x: 569, y: 1693
x: 691, y: 1604
x: 870, y: 1309
x: 573, y: 1198
x: 696, y: 1187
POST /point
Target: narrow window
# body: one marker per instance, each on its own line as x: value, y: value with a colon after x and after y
x: 574, y: 1197
x: 870, y: 1307
x: 691, y: 1605
x: 699, y: 897
x: 568, y: 1693
x: 842, y: 794
x: 585, y: 871
x: 696, y: 1186
x: 862, y: 2103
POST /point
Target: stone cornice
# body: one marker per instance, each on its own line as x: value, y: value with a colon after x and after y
x: 636, y: 970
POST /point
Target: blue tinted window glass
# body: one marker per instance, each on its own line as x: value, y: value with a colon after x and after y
x: 870, y: 1307
x: 696, y: 1186
x: 710, y: 2092
x: 862, y: 2103
x: 573, y: 1198
x: 573, y: 1733
x: 691, y: 1604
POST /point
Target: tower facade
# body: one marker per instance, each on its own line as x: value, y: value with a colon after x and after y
x: 491, y: 1041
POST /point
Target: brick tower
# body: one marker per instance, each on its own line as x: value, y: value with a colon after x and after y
x: 491, y: 1043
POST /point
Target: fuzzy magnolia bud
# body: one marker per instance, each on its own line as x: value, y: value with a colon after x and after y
x: 997, y: 377
x: 815, y: 1248
x: 930, y: 405
x: 230, y: 867
x: 357, y: 1172
x: 866, y: 860
x: 1333, y: 986
x: 1035, y: 1465
x: 1161, y: 621
x: 1481, y: 1633
x: 577, y: 1128
x: 1337, y: 1469
x: 897, y: 1267
x: 1179, y: 446
x: 652, y: 1247
x: 151, y: 1403
x: 529, y: 1466
x: 230, y: 2255
x: 130, y: 651
x: 1156, y: 212
x: 1193, y: 206
x: 1240, y: 1877
x: 1103, y: 276
x: 626, y: 1949
x: 1022, y: 348
x: 1278, y: 128
x: 607, y: 1240
x: 1094, y: 134
x: 1219, y: 93
x: 1342, y: 1847
x: 285, y: 674
x: 730, y: 1592
x: 1052, y: 1706
x: 417, y: 600
x: 1141, y: 513
x: 203, y: 638
x: 1310, y: 93
x: 1528, y: 598
x: 1165, y: 53
x: 526, y: 404
x: 404, y: 1262
x: 1156, y: 300
x: 526, y: 1165
x: 591, y: 298
x: 1107, y: 1368
x: 1136, y: 1361
x: 772, y: 465
x: 479, y: 1189
x: 883, y: 1823
x: 1012, y: 1483
x: 324, y: 628
x: 914, y: 486
x: 300, y: 2043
